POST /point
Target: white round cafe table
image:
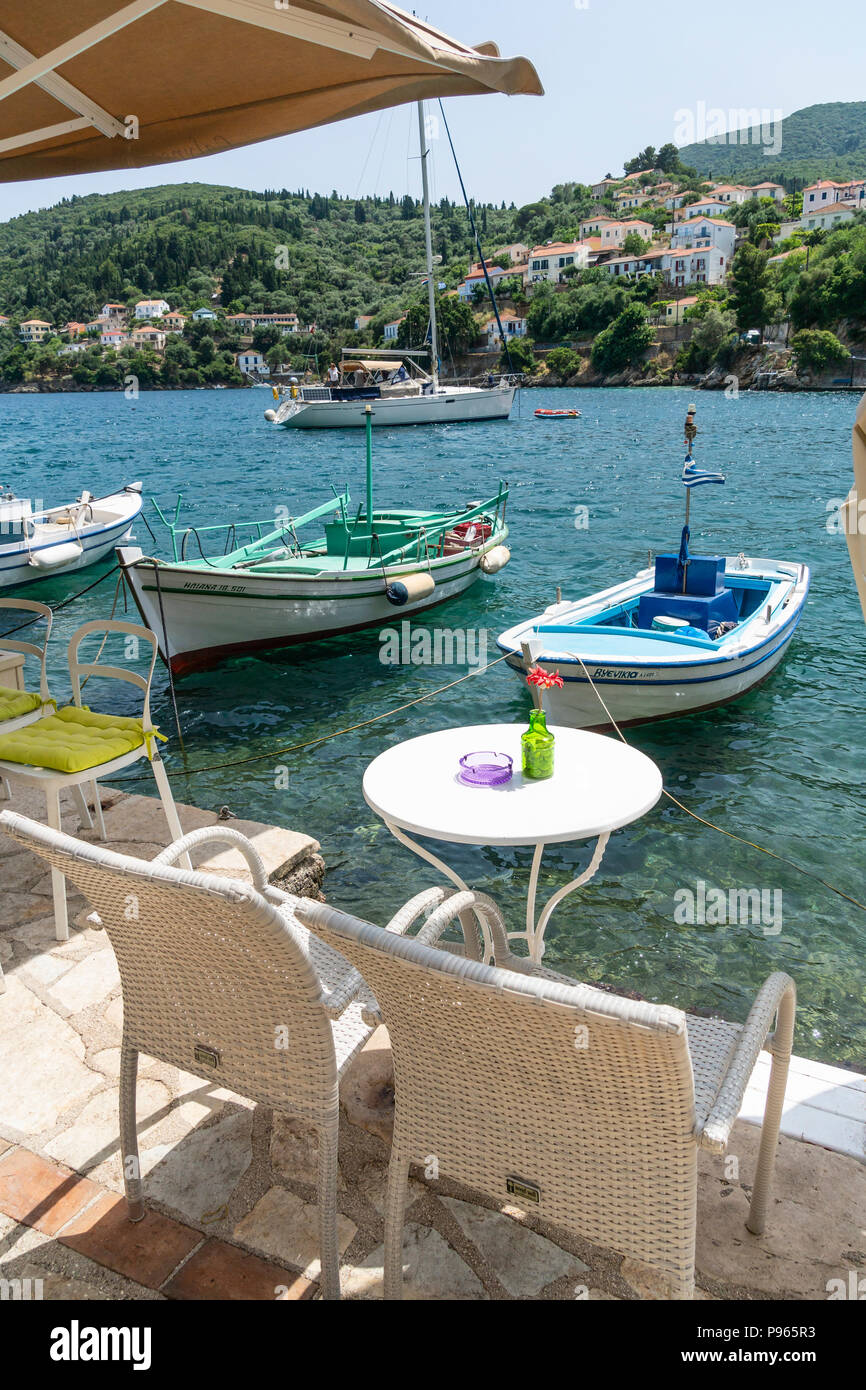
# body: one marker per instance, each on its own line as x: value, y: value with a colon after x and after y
x: 599, y: 784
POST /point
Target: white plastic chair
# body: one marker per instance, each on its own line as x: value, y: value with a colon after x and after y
x: 26, y: 648
x: 52, y: 781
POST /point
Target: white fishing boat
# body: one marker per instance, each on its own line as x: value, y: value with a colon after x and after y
x: 403, y: 393
x: 687, y: 634
x: 368, y: 569
x: 37, y: 544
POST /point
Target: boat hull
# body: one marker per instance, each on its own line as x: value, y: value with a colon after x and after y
x: 212, y: 617
x: 461, y: 406
x: 98, y: 541
x: 642, y: 691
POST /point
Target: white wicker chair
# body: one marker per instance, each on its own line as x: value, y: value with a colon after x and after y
x: 213, y: 973
x: 579, y: 1105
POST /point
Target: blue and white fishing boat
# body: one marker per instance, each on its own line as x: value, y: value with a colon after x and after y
x: 687, y: 634
x: 37, y: 544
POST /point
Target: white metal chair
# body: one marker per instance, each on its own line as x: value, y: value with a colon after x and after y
x: 39, y: 754
x: 581, y: 1106
x: 220, y: 980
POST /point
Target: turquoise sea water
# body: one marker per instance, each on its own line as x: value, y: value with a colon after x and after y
x: 782, y: 766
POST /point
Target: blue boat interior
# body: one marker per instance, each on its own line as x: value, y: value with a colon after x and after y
x: 700, y: 594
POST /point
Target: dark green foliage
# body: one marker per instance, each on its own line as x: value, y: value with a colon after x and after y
x: 624, y: 342
x: 826, y: 141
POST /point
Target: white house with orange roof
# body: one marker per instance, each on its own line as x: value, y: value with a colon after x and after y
x: 4, y: 320
x: 147, y: 335
x: 702, y: 265
x: 475, y: 279
x: 591, y: 226
x: 601, y: 190
x: 392, y: 329
x: 173, y: 322
x: 855, y: 192
x: 733, y: 193
x: 513, y: 325
x: 549, y: 262
x: 705, y: 207
x: 151, y: 308
x: 515, y: 254
x: 827, y: 216
x: 630, y: 198
x: 704, y: 231
x: 766, y: 190
x: 113, y: 337
x: 113, y: 311
x: 614, y: 234
x: 34, y: 331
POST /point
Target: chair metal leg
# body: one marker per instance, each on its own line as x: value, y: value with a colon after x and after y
x: 81, y: 802
x: 168, y: 805
x: 58, y: 882
x: 7, y: 791
x: 395, y: 1205
x: 129, y: 1134
x: 782, y: 1044
x: 327, y: 1198
x: 97, y: 806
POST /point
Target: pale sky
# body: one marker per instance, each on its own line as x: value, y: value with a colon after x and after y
x: 615, y: 72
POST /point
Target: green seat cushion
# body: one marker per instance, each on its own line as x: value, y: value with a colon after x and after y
x: 14, y: 703
x: 72, y: 740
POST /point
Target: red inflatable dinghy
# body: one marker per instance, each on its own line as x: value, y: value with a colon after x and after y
x: 557, y: 414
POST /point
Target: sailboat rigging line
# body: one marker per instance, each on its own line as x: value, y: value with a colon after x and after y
x: 782, y: 859
x: 474, y: 227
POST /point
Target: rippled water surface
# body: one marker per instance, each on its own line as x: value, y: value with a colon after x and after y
x: 783, y: 767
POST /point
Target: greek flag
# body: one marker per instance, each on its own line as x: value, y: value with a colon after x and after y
x: 694, y: 476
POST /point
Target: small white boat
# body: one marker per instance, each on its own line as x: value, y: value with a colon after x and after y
x: 37, y: 545
x: 692, y: 632
x: 645, y: 669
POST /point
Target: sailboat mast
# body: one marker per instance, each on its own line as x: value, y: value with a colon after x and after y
x: 428, y: 233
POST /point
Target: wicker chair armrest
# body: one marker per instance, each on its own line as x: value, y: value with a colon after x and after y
x: 776, y: 999
x: 218, y: 834
x: 412, y: 910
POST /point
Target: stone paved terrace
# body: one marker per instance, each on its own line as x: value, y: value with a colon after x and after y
x: 230, y: 1188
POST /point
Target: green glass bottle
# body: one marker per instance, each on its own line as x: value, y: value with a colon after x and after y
x: 538, y: 747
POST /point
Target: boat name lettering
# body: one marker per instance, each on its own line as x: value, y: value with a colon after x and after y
x: 213, y: 588
x: 603, y: 674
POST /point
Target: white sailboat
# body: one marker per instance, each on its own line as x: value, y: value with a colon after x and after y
x: 406, y: 399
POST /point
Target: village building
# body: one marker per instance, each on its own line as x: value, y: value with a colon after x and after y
x: 151, y: 308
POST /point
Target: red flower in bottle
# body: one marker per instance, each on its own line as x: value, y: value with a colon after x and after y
x: 544, y: 680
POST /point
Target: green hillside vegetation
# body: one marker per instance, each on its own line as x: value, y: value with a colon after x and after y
x: 825, y: 141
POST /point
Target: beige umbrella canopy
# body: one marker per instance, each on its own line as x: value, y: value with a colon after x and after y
x: 95, y: 84
x: 854, y: 510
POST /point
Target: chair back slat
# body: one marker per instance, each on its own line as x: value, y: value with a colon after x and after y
x: 215, y: 980
x: 584, y: 1098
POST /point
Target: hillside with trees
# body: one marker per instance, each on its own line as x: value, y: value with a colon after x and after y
x: 824, y: 141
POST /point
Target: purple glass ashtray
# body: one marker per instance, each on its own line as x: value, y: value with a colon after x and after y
x: 486, y: 769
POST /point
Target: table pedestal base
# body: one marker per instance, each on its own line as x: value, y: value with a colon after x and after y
x: 535, y: 926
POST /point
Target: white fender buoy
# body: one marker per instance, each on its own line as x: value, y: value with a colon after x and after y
x: 410, y: 589
x: 270, y: 416
x: 495, y: 559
